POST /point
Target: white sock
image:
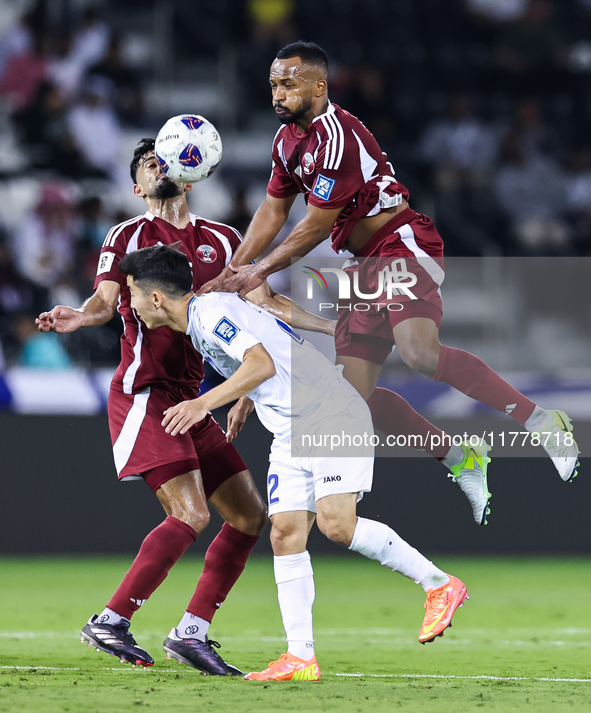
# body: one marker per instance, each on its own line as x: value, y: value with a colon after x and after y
x: 539, y: 418
x: 295, y: 590
x: 108, y: 616
x: 192, y: 627
x: 454, y: 456
x: 379, y: 542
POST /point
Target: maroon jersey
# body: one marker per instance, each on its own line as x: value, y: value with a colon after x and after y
x: 335, y: 163
x: 161, y: 357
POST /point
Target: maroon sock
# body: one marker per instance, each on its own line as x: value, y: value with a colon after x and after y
x: 159, y: 551
x: 394, y: 416
x: 225, y: 560
x: 470, y: 375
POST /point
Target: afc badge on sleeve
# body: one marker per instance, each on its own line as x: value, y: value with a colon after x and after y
x: 105, y: 262
x: 226, y: 330
x: 323, y: 187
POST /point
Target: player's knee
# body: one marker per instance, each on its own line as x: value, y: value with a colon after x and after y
x: 285, y: 538
x: 259, y: 520
x: 420, y: 358
x: 335, y: 528
x: 197, y: 518
x: 252, y: 523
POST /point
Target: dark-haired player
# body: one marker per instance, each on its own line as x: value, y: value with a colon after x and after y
x: 298, y: 394
x: 352, y: 195
x: 158, y: 370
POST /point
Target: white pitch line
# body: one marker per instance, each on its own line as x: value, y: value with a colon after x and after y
x: 87, y: 670
x: 464, y: 678
x: 342, y: 675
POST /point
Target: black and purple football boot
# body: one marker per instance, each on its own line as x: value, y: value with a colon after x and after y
x: 116, y: 640
x: 198, y: 654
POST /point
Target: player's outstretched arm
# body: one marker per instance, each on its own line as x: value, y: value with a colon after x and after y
x: 290, y: 312
x: 257, y: 366
x: 315, y: 227
x: 263, y: 229
x: 97, y: 310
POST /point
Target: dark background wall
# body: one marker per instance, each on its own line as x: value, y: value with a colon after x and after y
x: 59, y: 494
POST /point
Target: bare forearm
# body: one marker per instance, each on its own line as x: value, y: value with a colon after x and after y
x: 251, y: 374
x: 303, y: 238
x: 96, y: 311
x: 297, y: 316
x: 263, y: 229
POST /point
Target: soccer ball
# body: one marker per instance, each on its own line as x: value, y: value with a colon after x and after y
x: 188, y: 148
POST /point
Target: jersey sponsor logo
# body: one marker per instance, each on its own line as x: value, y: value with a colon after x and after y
x: 206, y: 253
x: 323, y: 187
x: 308, y: 163
x: 226, y: 330
x: 105, y: 262
x: 332, y: 479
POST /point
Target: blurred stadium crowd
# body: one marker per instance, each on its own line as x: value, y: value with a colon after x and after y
x: 483, y: 107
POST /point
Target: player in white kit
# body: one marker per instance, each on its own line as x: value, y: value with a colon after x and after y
x: 304, y: 401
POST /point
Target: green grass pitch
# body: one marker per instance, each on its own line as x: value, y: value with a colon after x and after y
x: 522, y: 642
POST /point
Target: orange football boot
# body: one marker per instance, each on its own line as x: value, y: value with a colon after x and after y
x: 440, y: 606
x: 288, y: 668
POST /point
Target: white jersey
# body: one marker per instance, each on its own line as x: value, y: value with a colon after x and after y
x: 223, y: 326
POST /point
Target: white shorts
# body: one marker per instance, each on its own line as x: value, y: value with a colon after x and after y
x: 297, y: 483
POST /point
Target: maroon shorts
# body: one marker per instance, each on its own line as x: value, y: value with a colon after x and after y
x: 407, y: 251
x: 142, y: 448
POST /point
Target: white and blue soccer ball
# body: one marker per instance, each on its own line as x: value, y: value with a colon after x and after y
x: 188, y: 148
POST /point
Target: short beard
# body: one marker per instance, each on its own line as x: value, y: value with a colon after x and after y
x: 292, y: 117
x: 167, y: 189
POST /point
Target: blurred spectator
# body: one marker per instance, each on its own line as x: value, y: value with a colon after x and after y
x: 530, y: 51
x: 459, y: 146
x: 240, y: 215
x: 75, y: 53
x: 94, y: 226
x: 43, y: 129
x: 369, y: 99
x: 538, y: 138
x: 18, y: 38
x: 24, y: 73
x: 578, y: 197
x: 126, y: 84
x: 64, y: 69
x: 498, y: 10
x: 17, y: 294
x: 44, y: 244
x: 531, y: 190
x: 91, y: 40
x: 36, y: 350
x: 95, y: 128
x: 272, y: 22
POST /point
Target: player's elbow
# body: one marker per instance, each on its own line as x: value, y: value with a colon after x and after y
x: 260, y: 365
x: 267, y: 368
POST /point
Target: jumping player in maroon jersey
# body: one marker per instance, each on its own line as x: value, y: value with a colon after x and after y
x: 159, y: 369
x: 352, y: 195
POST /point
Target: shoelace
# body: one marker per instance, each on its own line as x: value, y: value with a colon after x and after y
x: 283, y: 657
x: 125, y: 633
x: 212, y: 643
x: 436, y: 598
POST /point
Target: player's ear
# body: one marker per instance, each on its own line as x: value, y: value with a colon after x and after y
x: 157, y: 298
x: 188, y: 187
x: 321, y: 87
x: 138, y: 191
